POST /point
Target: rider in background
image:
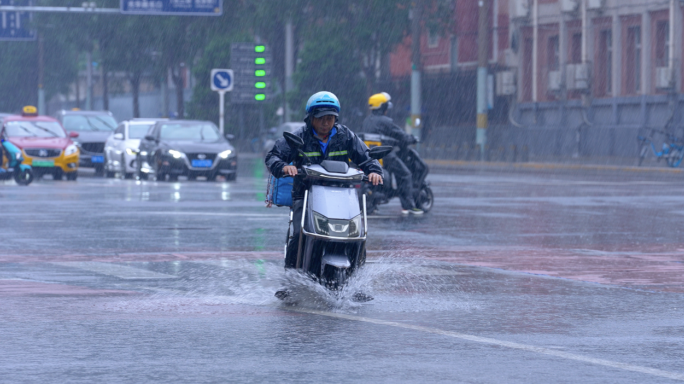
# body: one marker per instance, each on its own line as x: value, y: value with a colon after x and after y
x: 378, y: 123
x: 324, y: 139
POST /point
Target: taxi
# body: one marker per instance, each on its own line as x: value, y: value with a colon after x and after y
x: 46, y: 146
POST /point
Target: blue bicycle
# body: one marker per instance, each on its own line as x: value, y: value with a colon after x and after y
x: 672, y: 150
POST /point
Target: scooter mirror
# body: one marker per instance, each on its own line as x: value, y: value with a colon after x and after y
x: 293, y: 140
x: 378, y: 153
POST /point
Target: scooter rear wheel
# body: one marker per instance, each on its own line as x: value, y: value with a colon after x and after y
x: 23, y: 177
x: 425, y: 199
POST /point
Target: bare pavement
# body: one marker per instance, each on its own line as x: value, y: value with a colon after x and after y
x: 559, y: 274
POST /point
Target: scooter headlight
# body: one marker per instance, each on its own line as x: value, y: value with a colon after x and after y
x: 337, y: 227
x: 131, y: 151
x: 70, y: 150
x: 17, y: 156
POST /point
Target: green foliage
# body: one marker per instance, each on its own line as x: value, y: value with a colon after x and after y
x: 203, y: 105
x: 328, y: 65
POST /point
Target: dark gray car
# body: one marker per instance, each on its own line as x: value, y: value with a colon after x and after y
x: 93, y: 128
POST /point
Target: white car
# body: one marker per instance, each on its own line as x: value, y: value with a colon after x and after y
x: 121, y: 147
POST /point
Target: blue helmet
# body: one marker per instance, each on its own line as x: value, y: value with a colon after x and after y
x: 322, y: 103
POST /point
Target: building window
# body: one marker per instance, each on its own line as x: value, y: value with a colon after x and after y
x: 605, y: 62
x: 662, y: 44
x: 454, y: 53
x: 633, y: 73
x: 553, y: 58
x: 576, y: 48
x: 433, y: 39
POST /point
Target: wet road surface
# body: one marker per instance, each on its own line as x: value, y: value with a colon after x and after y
x: 560, y: 277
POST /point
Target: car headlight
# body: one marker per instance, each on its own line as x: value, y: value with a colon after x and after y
x: 176, y: 154
x: 337, y: 227
x: 132, y: 151
x: 70, y: 150
x: 225, y: 154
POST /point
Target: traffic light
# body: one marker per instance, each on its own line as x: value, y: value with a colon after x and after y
x: 251, y: 64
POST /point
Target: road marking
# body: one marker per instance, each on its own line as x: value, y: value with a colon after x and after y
x: 116, y: 270
x: 502, y: 343
x: 217, y: 214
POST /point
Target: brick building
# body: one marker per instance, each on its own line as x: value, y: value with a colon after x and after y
x: 569, y: 77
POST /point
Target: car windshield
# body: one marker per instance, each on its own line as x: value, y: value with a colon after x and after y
x: 187, y: 132
x: 34, y: 129
x: 102, y: 123
x: 138, y: 131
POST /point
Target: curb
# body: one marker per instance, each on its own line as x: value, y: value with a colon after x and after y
x: 488, y: 165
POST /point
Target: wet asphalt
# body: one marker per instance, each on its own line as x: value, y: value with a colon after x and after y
x: 515, y: 277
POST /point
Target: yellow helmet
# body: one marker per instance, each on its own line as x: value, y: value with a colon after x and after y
x: 376, y: 101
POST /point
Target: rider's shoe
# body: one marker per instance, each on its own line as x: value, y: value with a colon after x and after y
x: 413, y: 211
x: 282, y: 294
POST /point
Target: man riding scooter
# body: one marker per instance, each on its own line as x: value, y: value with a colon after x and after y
x: 377, y: 122
x: 324, y: 139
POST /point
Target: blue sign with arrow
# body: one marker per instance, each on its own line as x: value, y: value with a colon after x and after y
x: 14, y: 26
x: 221, y: 80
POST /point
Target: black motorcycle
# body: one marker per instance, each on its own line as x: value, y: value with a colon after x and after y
x: 382, y: 194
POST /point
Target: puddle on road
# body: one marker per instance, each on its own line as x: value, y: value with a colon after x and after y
x: 397, y: 285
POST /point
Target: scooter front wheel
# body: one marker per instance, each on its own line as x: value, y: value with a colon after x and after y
x: 425, y: 199
x: 23, y: 176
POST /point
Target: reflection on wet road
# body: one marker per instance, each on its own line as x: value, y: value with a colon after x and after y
x: 517, y: 278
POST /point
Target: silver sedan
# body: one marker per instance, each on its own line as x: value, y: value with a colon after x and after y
x: 121, y: 147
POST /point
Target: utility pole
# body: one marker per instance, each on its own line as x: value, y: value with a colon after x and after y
x: 416, y: 103
x: 41, y: 76
x: 482, y: 63
x: 89, y: 80
x: 289, y: 65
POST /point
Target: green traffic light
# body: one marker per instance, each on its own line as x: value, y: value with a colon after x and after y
x: 259, y: 48
x: 259, y: 73
x: 260, y: 97
x: 259, y: 60
x: 260, y: 84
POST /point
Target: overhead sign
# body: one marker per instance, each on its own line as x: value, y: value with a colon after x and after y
x: 251, y: 63
x: 172, y: 7
x: 222, y: 80
x: 14, y: 26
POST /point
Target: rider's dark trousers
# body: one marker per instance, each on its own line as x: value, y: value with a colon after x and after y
x: 404, y: 180
x: 291, y: 256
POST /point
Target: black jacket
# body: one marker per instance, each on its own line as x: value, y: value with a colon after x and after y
x: 343, y: 146
x: 383, y: 125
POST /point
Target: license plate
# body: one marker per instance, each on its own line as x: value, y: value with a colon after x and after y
x: 43, y: 163
x: 97, y: 159
x: 201, y: 163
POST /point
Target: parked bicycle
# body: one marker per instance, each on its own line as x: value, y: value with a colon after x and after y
x: 672, y: 150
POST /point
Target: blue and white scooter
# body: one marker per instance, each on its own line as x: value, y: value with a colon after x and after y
x: 12, y: 165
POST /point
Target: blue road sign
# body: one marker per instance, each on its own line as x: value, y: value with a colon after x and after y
x: 14, y: 26
x: 221, y: 80
x: 172, y: 7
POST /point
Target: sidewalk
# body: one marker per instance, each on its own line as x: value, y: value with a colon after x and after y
x: 574, y: 165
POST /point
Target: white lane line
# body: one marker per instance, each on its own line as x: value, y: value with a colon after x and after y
x: 216, y: 214
x: 120, y: 271
x: 501, y: 343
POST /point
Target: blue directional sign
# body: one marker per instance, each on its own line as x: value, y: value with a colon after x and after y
x: 14, y: 26
x: 221, y: 80
x: 172, y: 7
